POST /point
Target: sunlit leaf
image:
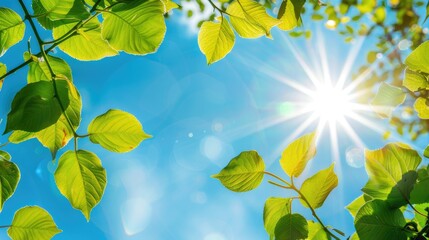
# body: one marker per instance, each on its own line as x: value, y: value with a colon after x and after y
x: 316, y: 231
x: 354, y: 236
x: 415, y: 81
x: 250, y: 19
x: 216, y: 40
x: 376, y: 220
x: 12, y: 29
x: 318, y: 187
x: 418, y: 60
x: 21, y: 136
x: 81, y: 179
x: 137, y: 27
x: 39, y: 70
x: 86, y: 44
x: 35, y: 107
x: 296, y: 156
x: 426, y: 152
x: 3, y: 71
x: 274, y: 209
x: 51, y: 11
x: 420, y: 193
x: 379, y: 15
x: 243, y: 173
x: 422, y: 208
x: 291, y: 227
x: 354, y: 206
x: 391, y: 172
x: 422, y: 107
x: 32, y: 222
x: 387, y: 99
x: 117, y: 131
x: 169, y: 5
x: 9, y: 177
x: 290, y: 14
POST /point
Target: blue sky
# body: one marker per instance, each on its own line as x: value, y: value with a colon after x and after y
x: 200, y: 116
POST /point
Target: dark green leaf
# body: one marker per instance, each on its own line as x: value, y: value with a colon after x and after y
x: 291, y: 227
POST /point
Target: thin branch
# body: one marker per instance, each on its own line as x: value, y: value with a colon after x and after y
x: 6, y: 226
x: 278, y: 184
x: 278, y: 178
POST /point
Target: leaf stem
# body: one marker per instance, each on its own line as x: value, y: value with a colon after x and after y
x: 6, y: 226
x: 278, y: 184
x: 278, y: 178
x: 217, y: 8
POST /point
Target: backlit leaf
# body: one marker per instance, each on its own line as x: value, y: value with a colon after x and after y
x: 274, y: 209
x: 12, y: 29
x: 169, y: 5
x: 87, y: 44
x: 354, y: 206
x: 316, y: 231
x: 9, y: 177
x: 318, y: 187
x: 291, y: 227
x: 81, y: 179
x: 39, y: 70
x: 415, y: 81
x: 290, y: 14
x: 387, y: 99
x: 418, y: 60
x: 51, y: 11
x: 243, y: 173
x: 250, y: 19
x: 386, y: 169
x: 35, y: 107
x: 3, y: 71
x: 296, y: 156
x: 216, y: 40
x: 376, y: 220
x: 426, y: 152
x: 137, y: 27
x: 422, y: 107
x: 32, y: 222
x: 117, y: 131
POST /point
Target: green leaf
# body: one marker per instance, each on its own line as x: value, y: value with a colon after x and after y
x: 296, y: 156
x: 420, y: 193
x: 354, y: 206
x: 116, y: 131
x: 387, y: 99
x: 81, y: 179
x: 418, y: 60
x: 3, y: 71
x: 87, y: 44
x: 415, y: 81
x: 316, y: 231
x: 216, y: 40
x: 21, y: 136
x: 137, y: 27
x: 35, y: 107
x: 318, y: 187
x: 291, y: 227
x: 243, y: 173
x: 379, y: 15
x: 423, y: 208
x: 274, y: 209
x: 422, y: 107
x: 9, y: 177
x: 250, y: 19
x: 169, y: 5
x: 39, y: 70
x: 12, y: 29
x: 32, y: 222
x: 391, y: 172
x: 290, y: 14
x: 376, y: 220
x: 52, y: 11
x: 59, y: 134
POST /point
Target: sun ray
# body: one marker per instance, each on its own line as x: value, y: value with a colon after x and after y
x: 350, y: 60
x: 351, y: 133
x: 323, y: 59
x: 361, y: 78
x: 334, y: 142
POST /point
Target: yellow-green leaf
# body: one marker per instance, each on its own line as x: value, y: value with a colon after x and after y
x: 354, y: 206
x: 418, y: 60
x: 296, y: 156
x: 3, y: 71
x: 81, y: 179
x: 387, y: 99
x: 39, y: 70
x: 216, y: 40
x: 290, y: 13
x: 318, y: 187
x: 386, y: 168
x: 379, y: 15
x: 243, y: 173
x: 117, y: 131
x: 274, y: 209
x: 250, y: 19
x: 87, y: 44
x: 32, y: 222
x: 12, y: 29
x: 52, y: 11
x: 316, y: 231
x: 422, y: 107
x: 137, y: 27
x: 415, y: 81
x: 9, y: 177
x: 169, y: 5
x: 21, y: 136
x: 291, y: 227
